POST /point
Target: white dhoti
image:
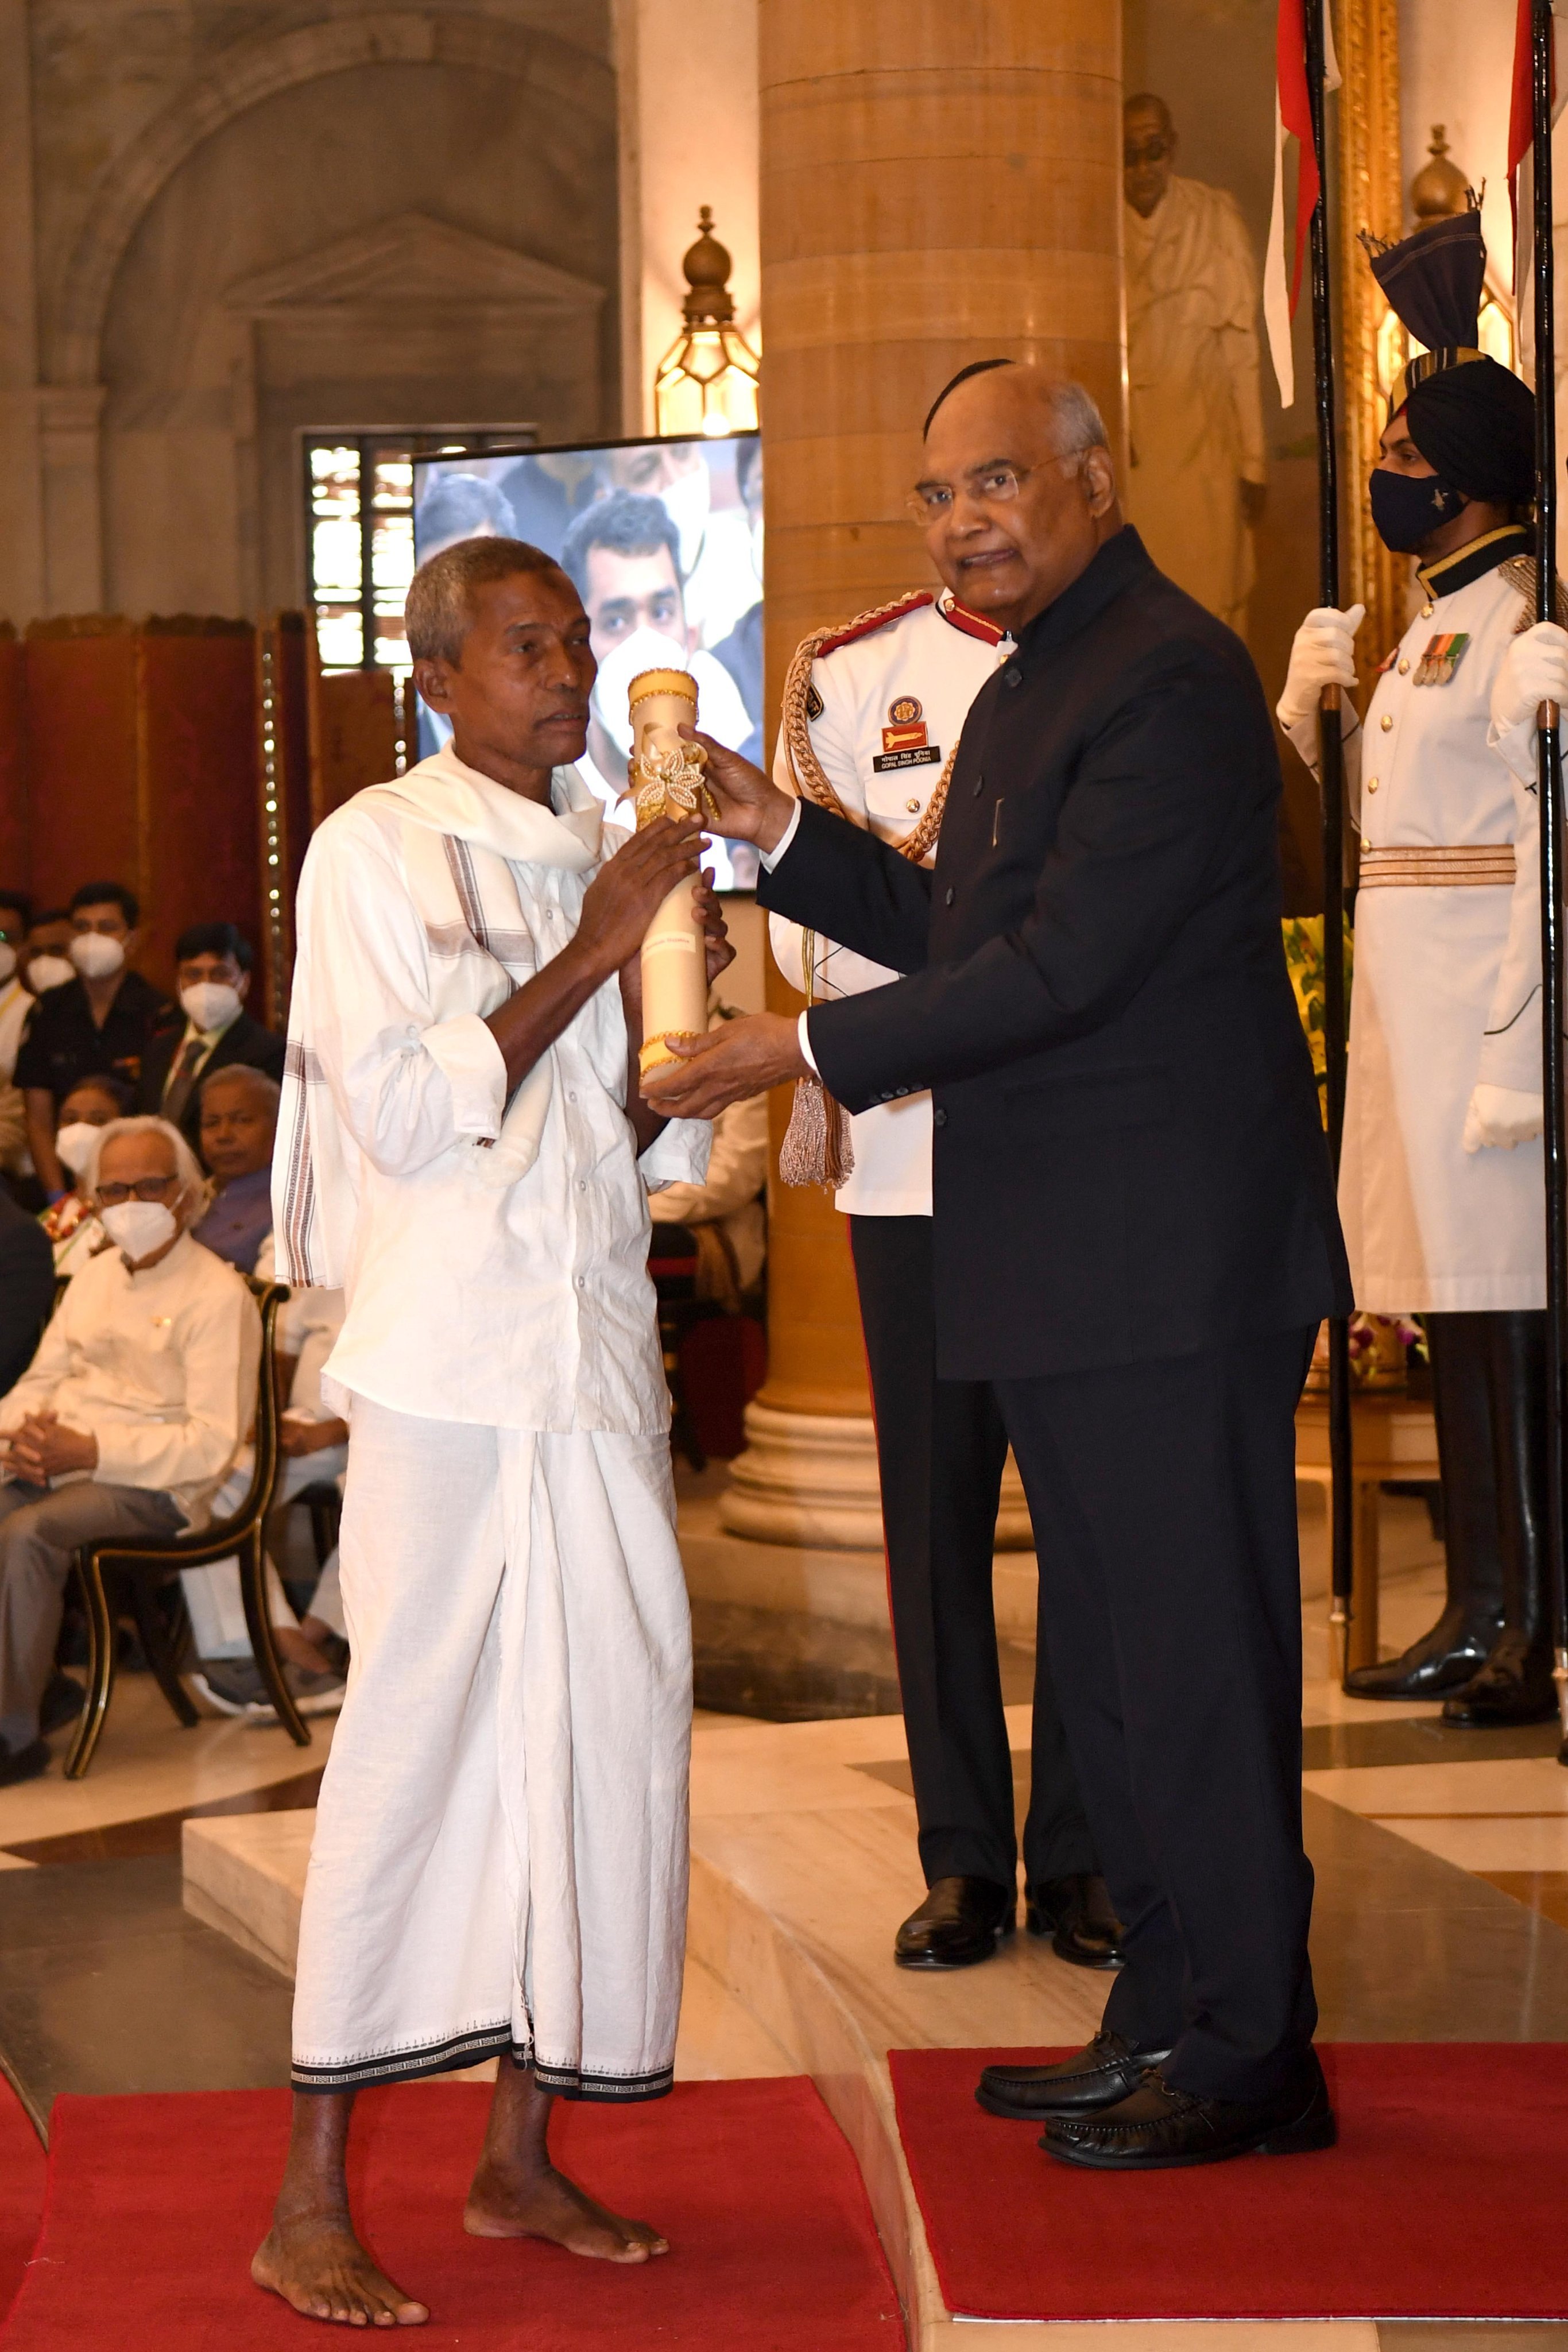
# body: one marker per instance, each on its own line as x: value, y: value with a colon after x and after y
x: 500, y: 1856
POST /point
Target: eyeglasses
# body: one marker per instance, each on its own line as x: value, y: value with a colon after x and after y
x: 988, y: 486
x: 1145, y: 150
x: 146, y: 1188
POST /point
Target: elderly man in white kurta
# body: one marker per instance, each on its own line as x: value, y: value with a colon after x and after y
x: 1196, y: 483
x: 1441, y: 1179
x: 499, y: 1862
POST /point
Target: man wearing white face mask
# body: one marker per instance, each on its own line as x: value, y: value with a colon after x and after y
x: 622, y: 556
x: 212, y: 973
x: 102, y: 1021
x: 131, y: 1412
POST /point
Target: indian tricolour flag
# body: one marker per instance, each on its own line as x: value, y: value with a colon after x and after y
x: 1293, y: 118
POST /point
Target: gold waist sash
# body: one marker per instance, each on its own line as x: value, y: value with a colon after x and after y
x: 1483, y: 866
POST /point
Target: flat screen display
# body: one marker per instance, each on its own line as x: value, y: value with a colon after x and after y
x: 664, y: 541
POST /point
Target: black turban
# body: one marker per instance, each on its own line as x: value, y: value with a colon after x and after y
x: 1475, y: 426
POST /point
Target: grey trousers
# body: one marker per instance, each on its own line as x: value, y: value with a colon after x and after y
x: 40, y: 1530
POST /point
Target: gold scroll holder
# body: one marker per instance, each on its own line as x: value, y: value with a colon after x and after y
x: 666, y: 779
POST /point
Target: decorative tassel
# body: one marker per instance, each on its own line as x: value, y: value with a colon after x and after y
x: 816, y: 1149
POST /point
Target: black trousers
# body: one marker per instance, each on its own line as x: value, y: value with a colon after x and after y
x: 1163, y: 1503
x: 1488, y: 1396
x: 941, y: 1448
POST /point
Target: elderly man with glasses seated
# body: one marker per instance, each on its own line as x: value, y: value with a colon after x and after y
x: 134, y: 1408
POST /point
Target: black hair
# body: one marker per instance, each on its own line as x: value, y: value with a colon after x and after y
x: 748, y: 457
x: 976, y: 367
x: 628, y: 522
x: 214, y: 938
x: 21, y: 902
x: 121, y: 1091
x: 47, y: 915
x: 109, y: 894
x: 455, y: 506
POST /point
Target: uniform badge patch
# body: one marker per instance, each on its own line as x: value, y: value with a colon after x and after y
x: 906, y: 730
x: 905, y: 711
x: 1441, y: 658
x: 814, y: 705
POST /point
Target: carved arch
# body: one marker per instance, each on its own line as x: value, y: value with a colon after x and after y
x: 242, y: 77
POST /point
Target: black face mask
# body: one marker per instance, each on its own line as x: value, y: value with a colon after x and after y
x: 1406, y: 509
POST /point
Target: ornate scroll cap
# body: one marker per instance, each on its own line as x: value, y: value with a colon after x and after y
x: 662, y: 681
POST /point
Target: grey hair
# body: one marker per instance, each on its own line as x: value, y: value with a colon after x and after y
x: 439, y: 610
x: 257, y: 1080
x: 192, y: 1183
x: 1078, y: 424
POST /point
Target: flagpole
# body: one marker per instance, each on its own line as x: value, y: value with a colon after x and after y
x: 1549, y: 785
x: 1331, y: 773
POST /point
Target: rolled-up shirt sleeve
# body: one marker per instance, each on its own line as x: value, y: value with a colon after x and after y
x: 678, y: 1154
x: 406, y: 1084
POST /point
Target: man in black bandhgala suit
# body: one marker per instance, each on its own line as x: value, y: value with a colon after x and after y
x: 1135, y: 1231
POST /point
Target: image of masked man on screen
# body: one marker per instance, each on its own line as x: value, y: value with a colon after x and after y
x: 622, y: 556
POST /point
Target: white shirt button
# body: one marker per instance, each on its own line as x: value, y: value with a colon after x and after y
x: 1371, y: 783
x: 1387, y: 722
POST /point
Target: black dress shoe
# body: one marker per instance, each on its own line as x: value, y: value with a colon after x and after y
x: 962, y: 1920
x: 22, y: 1763
x: 1093, y: 2078
x: 1514, y: 1686
x: 1157, y: 2126
x: 1076, y: 1914
x: 1441, y: 1661
x: 62, y: 1702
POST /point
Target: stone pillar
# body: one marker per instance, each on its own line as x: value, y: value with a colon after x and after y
x: 941, y: 183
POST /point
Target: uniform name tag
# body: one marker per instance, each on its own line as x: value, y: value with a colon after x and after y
x: 925, y: 755
x: 1441, y: 658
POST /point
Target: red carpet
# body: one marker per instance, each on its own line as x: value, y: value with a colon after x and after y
x: 1444, y: 2199
x: 157, y: 2204
x: 21, y: 2193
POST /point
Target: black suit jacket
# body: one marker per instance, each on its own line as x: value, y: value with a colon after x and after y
x: 244, y: 1040
x: 1128, y: 1162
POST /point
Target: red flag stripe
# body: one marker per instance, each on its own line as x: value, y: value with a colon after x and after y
x: 1296, y: 114
x: 1521, y: 112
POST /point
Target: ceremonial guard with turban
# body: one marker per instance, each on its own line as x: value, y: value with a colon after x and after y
x: 1441, y: 1181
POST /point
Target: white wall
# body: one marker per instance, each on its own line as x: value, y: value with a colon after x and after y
x: 688, y: 95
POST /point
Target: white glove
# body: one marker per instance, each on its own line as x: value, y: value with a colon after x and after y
x: 1321, y: 656
x: 1501, y: 1116
x: 1533, y: 670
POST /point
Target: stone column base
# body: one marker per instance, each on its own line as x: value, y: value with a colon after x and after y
x: 812, y: 1479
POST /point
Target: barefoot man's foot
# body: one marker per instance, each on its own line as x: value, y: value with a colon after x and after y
x: 321, y: 2268
x: 507, y: 2203
x: 519, y: 2193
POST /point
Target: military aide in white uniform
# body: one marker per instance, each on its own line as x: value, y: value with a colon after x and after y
x: 883, y: 703
x: 1441, y: 1181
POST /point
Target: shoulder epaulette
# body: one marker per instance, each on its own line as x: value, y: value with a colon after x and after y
x: 970, y: 625
x: 867, y: 624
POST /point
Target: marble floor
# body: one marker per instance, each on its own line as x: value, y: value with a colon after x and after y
x: 1442, y: 1862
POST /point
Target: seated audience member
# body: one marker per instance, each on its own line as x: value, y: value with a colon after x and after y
x: 102, y: 1020
x: 69, y: 1224
x: 27, y: 1288
x: 47, y: 959
x: 16, y: 1004
x: 720, y: 1224
x: 315, y: 1446
x: 130, y: 1416
x: 211, y: 974
x: 238, y: 1120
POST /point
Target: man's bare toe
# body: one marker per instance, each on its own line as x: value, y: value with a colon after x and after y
x: 548, y: 2205
x: 322, y: 2271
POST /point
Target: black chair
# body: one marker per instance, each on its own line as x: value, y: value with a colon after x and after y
x: 114, y: 1573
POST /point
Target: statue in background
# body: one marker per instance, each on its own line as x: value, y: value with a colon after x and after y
x: 1197, y: 486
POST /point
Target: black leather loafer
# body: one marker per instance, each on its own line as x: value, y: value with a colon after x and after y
x: 22, y: 1763
x: 1076, y: 1914
x: 62, y: 1702
x: 1441, y: 1661
x: 1513, y: 1686
x: 1156, y: 2127
x: 961, y: 1921
x: 1093, y: 2078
